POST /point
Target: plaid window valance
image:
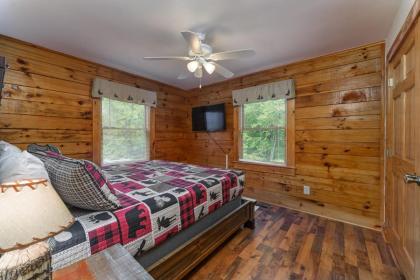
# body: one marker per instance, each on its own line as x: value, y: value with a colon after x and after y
x: 278, y: 90
x: 121, y: 92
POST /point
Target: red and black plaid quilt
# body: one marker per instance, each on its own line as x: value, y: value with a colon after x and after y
x: 158, y: 199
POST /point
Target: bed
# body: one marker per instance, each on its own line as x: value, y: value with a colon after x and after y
x: 161, y: 201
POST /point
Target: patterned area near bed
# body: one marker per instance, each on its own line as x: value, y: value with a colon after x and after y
x: 159, y: 199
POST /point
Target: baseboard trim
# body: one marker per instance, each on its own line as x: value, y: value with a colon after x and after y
x: 329, y: 212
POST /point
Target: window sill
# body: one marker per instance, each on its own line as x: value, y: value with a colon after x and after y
x: 264, y: 167
x: 127, y: 161
x: 262, y: 163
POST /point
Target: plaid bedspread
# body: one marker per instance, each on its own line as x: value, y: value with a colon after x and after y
x: 159, y: 199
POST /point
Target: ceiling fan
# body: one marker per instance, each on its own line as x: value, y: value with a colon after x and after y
x: 200, y: 55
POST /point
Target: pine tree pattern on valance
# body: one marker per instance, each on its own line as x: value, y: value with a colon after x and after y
x: 121, y: 92
x: 278, y: 90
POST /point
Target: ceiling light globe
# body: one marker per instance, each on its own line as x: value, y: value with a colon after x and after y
x: 209, y: 67
x: 192, y: 66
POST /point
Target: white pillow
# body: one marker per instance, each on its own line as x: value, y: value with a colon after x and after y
x: 7, y: 149
x: 20, y: 166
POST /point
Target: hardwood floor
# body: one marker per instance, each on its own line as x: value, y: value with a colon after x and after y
x: 287, y: 244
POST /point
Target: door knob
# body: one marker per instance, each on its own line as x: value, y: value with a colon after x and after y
x: 412, y: 178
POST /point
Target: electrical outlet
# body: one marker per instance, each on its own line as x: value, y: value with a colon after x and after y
x: 306, y: 190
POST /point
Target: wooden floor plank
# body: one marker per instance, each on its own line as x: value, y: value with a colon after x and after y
x: 287, y: 244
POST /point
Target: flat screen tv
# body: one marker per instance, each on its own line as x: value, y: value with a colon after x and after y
x: 209, y: 118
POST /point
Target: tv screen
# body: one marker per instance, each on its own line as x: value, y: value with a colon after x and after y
x: 209, y: 118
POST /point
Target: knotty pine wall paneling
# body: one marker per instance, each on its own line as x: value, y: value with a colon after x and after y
x: 338, y: 135
x: 338, y: 123
x: 46, y: 99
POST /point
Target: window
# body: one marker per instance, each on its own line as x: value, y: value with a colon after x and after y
x: 125, y: 131
x: 263, y: 132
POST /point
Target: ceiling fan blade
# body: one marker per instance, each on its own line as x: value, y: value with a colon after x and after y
x: 167, y: 58
x: 193, y: 41
x: 236, y: 54
x: 184, y: 75
x: 222, y: 70
x: 199, y: 72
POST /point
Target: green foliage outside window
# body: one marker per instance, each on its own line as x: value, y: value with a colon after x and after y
x: 124, y: 131
x: 264, y: 131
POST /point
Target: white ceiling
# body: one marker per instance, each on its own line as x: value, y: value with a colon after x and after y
x: 119, y: 33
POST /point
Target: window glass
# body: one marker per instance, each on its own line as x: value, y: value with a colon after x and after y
x: 124, y: 131
x: 263, y: 132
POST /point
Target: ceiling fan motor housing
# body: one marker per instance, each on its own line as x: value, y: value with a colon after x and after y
x: 206, y: 50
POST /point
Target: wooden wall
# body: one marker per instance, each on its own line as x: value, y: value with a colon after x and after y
x: 46, y: 99
x: 338, y: 122
x: 338, y: 135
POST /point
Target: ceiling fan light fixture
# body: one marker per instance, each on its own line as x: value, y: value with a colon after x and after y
x: 192, y: 66
x: 210, y: 67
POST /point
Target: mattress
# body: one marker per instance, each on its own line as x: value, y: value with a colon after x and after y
x: 159, y: 199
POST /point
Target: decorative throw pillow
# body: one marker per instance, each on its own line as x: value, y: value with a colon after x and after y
x: 17, y: 165
x: 79, y: 182
x: 7, y: 149
x: 33, y: 148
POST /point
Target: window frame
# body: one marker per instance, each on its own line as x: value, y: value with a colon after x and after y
x: 97, y: 142
x: 288, y: 167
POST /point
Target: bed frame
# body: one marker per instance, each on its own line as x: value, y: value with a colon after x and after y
x: 179, y: 262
